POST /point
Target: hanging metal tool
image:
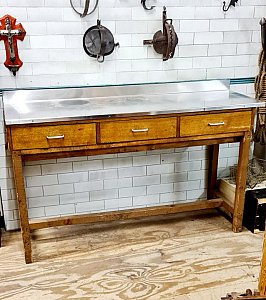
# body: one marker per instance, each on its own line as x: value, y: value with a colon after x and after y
x: 10, y: 33
x: 164, y: 42
x: 86, y: 8
x: 98, y: 41
x: 143, y: 2
x: 232, y: 3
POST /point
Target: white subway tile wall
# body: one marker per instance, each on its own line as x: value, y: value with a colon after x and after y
x: 211, y: 45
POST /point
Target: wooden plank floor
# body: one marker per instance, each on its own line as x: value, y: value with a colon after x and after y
x: 183, y: 257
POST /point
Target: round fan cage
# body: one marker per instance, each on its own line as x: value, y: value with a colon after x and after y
x: 98, y: 42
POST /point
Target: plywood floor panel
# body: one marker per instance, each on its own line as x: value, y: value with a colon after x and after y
x: 183, y: 257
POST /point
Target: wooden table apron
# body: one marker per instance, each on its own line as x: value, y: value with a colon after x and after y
x: 119, y: 135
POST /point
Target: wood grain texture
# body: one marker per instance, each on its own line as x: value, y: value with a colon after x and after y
x: 125, y: 214
x: 227, y: 205
x: 204, y: 124
x: 138, y: 130
x: 130, y: 146
x: 183, y: 257
x: 241, y: 178
x: 32, y: 137
x: 262, y: 278
x: 22, y: 205
x: 212, y: 170
x: 129, y: 135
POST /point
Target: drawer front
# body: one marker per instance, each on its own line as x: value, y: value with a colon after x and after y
x: 215, y: 123
x: 138, y: 130
x: 53, y: 136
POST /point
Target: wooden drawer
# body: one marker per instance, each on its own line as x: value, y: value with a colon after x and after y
x: 215, y: 123
x: 53, y: 136
x: 138, y: 130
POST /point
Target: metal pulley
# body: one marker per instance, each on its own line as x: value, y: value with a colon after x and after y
x: 164, y: 42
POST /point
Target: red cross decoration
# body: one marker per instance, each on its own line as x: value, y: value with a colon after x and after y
x: 10, y: 33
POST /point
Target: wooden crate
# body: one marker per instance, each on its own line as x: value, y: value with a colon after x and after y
x: 227, y: 189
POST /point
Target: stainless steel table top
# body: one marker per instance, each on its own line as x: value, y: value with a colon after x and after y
x: 50, y: 105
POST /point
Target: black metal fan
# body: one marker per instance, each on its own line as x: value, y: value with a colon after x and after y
x: 98, y: 41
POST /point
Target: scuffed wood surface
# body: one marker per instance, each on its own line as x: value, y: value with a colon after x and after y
x: 262, y: 279
x: 126, y: 214
x: 184, y: 257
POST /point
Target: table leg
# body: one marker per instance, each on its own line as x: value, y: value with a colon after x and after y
x: 212, y: 170
x: 22, y: 205
x: 241, y: 177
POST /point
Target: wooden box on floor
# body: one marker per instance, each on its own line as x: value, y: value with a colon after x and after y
x: 255, y: 204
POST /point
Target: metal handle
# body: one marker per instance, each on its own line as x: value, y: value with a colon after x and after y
x: 55, y: 137
x: 140, y: 130
x: 216, y: 124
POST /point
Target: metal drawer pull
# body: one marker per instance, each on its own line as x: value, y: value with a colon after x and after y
x: 140, y: 130
x: 55, y: 137
x: 216, y: 124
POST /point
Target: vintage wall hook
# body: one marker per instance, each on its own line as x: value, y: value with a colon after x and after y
x: 232, y: 3
x: 263, y: 33
x: 143, y: 2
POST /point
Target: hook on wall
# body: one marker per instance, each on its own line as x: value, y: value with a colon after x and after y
x: 232, y: 3
x: 143, y: 2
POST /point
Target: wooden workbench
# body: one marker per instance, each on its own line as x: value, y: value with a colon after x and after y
x: 117, y: 135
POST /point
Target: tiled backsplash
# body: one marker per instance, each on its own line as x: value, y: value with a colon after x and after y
x: 211, y: 45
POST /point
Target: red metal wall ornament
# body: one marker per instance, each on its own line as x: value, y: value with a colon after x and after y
x: 10, y: 33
